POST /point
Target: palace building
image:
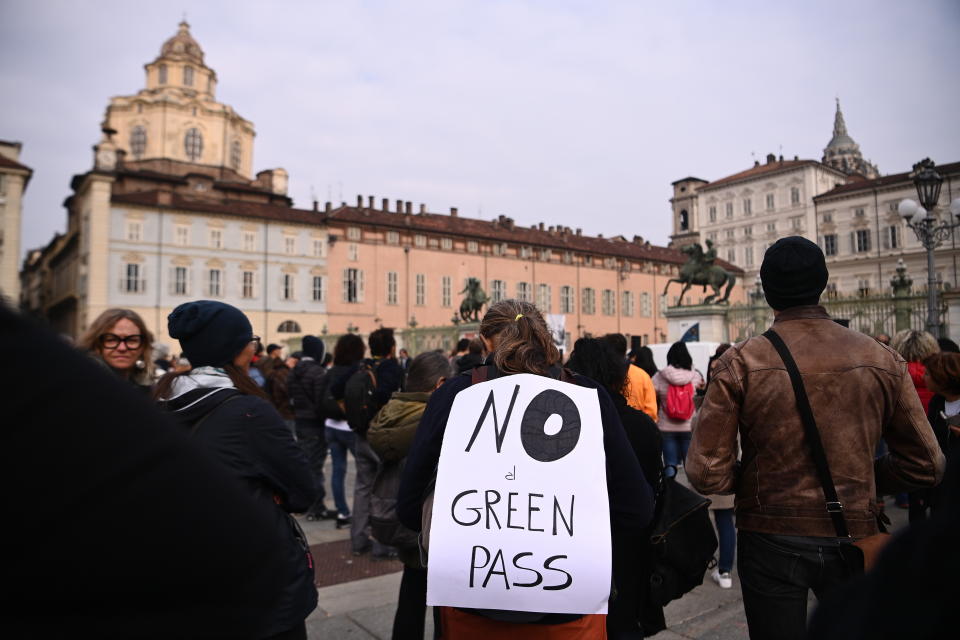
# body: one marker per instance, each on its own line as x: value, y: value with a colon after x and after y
x: 14, y: 178
x: 171, y: 211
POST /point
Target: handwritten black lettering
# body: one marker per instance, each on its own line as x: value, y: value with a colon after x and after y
x: 531, y: 509
x: 473, y: 560
x: 511, y: 509
x: 557, y: 587
x: 493, y: 570
x: 516, y: 563
x: 489, y: 504
x: 498, y: 432
x: 558, y: 514
x: 536, y: 442
x: 453, y: 509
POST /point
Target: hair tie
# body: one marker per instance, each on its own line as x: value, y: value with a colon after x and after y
x: 519, y: 315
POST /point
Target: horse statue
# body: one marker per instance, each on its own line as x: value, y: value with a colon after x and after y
x: 700, y: 270
x: 473, y: 302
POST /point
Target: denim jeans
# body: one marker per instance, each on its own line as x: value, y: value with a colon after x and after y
x: 776, y: 574
x: 727, y: 534
x: 311, y: 439
x: 675, y: 446
x: 339, y: 442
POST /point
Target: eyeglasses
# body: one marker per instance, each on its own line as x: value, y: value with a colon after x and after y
x: 255, y: 339
x: 112, y: 341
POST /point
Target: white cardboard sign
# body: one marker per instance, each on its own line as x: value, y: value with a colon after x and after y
x: 520, y: 513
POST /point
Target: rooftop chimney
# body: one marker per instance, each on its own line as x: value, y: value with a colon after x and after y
x: 756, y: 163
x: 579, y: 231
x: 327, y: 207
x: 795, y: 158
x: 771, y: 158
x: 386, y: 205
x: 781, y: 157
x: 316, y: 205
x: 370, y: 202
x: 408, y: 207
x: 399, y: 206
x: 453, y: 212
x: 359, y: 202
x: 423, y: 208
x: 540, y: 226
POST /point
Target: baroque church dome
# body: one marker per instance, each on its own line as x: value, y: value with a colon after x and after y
x: 182, y: 46
x: 843, y: 153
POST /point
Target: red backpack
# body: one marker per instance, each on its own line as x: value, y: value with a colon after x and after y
x: 679, y: 405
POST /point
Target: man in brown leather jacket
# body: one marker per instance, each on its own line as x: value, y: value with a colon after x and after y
x: 859, y: 390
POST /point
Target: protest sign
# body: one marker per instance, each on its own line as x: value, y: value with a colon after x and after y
x: 520, y: 513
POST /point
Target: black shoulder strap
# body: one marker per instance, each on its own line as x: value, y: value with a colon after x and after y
x: 196, y: 425
x: 834, y: 506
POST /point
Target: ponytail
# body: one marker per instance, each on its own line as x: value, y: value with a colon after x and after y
x: 524, y: 344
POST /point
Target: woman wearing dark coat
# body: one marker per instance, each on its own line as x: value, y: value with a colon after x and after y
x: 632, y: 562
x: 227, y: 414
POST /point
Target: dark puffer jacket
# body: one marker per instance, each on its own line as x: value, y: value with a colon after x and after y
x: 304, y: 386
x: 248, y: 437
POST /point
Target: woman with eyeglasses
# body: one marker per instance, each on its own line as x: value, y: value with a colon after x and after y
x: 227, y: 413
x: 119, y: 338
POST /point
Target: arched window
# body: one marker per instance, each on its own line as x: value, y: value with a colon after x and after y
x: 288, y: 326
x: 188, y: 76
x: 684, y: 220
x: 138, y: 141
x: 193, y: 144
x: 162, y: 74
x: 235, y: 154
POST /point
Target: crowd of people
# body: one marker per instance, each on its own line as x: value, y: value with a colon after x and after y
x: 754, y: 432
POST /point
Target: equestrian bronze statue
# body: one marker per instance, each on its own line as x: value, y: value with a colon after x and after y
x: 473, y: 302
x: 700, y: 270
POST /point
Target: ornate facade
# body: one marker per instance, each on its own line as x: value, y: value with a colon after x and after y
x: 14, y: 177
x: 843, y: 153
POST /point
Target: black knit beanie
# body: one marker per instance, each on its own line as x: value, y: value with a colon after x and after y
x: 313, y: 348
x: 210, y: 333
x: 793, y: 273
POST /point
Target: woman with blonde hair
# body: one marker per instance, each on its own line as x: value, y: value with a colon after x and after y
x: 119, y: 338
x: 518, y: 341
x: 915, y: 347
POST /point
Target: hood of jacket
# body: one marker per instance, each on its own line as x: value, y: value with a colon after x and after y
x: 402, y: 409
x: 193, y: 395
x: 676, y: 376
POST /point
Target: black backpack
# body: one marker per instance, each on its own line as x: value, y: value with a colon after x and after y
x: 384, y: 523
x: 359, y: 403
x: 682, y: 539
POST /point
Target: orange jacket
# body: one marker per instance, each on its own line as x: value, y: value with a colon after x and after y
x: 639, y: 391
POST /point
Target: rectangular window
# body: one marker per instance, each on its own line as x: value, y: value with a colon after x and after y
x: 859, y: 212
x: 891, y: 237
x: 863, y: 287
x: 831, y: 291
x: 567, y: 257
x: 180, y: 281
x: 352, y: 285
x: 748, y: 256
x: 588, y: 261
x: 796, y: 223
x: 249, y: 241
x: 543, y: 298
x: 391, y: 287
x: 770, y: 201
x: 247, y: 284
x: 862, y: 240
x: 566, y: 299
x: 421, y: 290
x: 523, y: 292
x: 353, y: 252
x: 663, y: 305
x: 473, y: 246
x: 747, y: 206
x: 131, y: 279
x: 420, y: 240
x: 353, y: 233
x: 794, y: 195
x: 748, y: 231
x: 318, y: 289
x: 729, y: 210
x: 317, y: 247
x: 216, y: 239
x: 393, y: 237
x: 609, y: 302
x: 626, y: 304
x: 499, y: 249
x: 646, y: 309
x: 731, y: 255
x: 498, y: 290
x: 712, y: 236
x: 287, y: 287
x: 289, y: 245
x: 771, y: 227
x: 830, y: 245
x: 546, y: 255
x: 729, y: 234
x: 525, y: 252
x: 589, y: 301
x: 828, y: 217
x: 213, y: 283
x: 181, y: 235
x: 446, y: 286
x: 713, y: 214
x: 134, y: 231
x: 446, y: 244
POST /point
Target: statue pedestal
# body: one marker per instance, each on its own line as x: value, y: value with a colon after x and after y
x: 712, y: 321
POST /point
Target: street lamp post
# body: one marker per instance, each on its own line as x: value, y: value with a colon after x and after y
x: 931, y: 232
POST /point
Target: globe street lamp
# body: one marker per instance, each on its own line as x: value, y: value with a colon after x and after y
x: 931, y: 232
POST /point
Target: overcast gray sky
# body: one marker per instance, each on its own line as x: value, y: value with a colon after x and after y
x: 569, y: 112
